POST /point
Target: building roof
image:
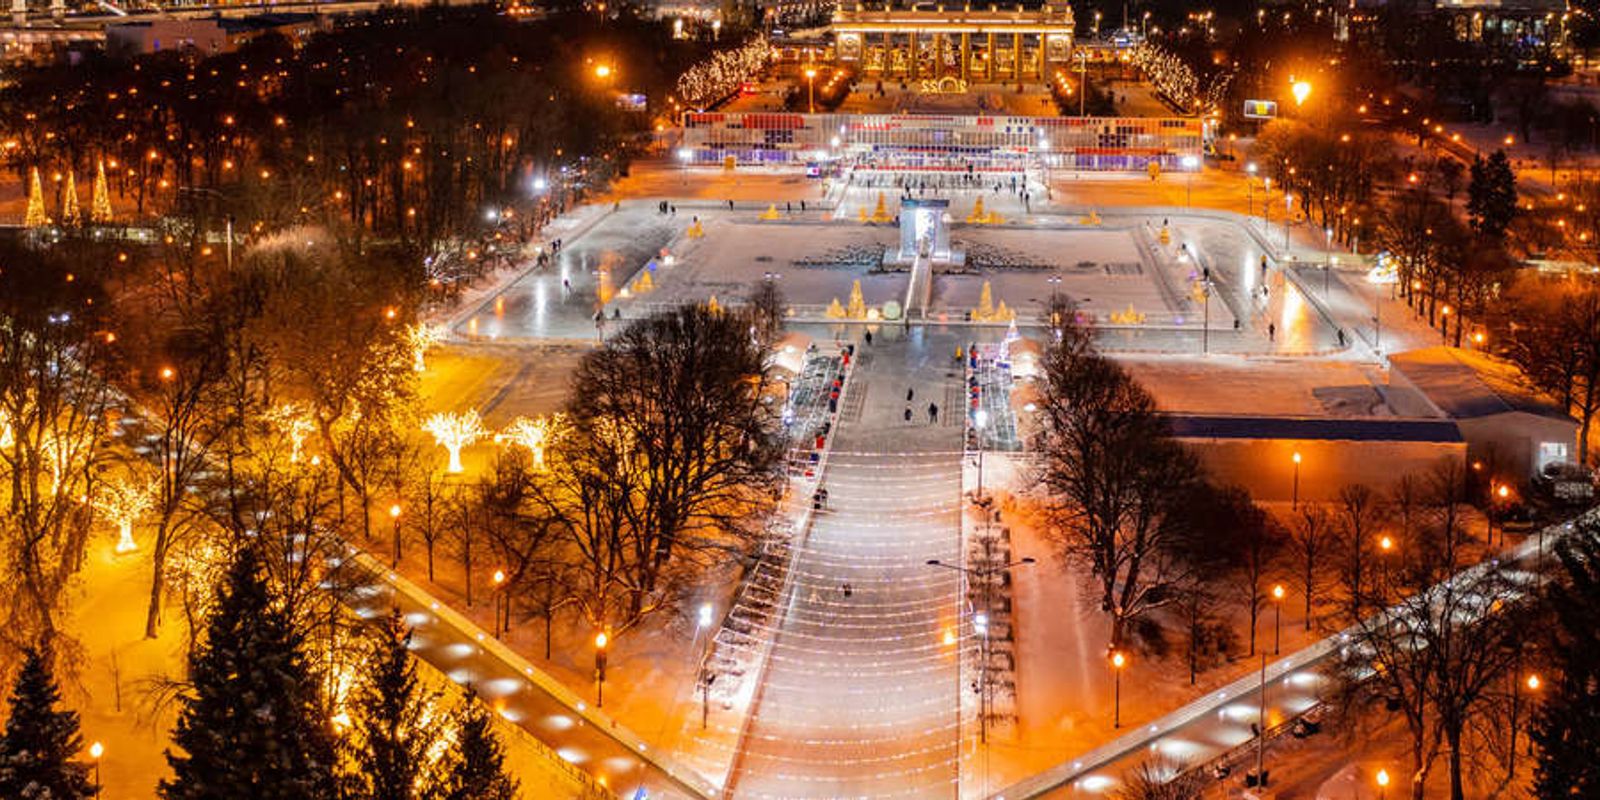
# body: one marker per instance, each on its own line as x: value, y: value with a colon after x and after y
x: 1469, y: 385
x: 264, y: 22
x: 1345, y: 429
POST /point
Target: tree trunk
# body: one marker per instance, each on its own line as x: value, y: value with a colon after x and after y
x: 1453, y: 735
x: 158, y: 582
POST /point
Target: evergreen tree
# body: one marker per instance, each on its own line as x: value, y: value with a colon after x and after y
x: 396, y: 721
x: 250, y: 725
x: 477, y: 769
x: 36, y: 752
x: 1567, y: 725
x: 1492, y: 195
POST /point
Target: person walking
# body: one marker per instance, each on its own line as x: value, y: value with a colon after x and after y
x: 868, y: 337
x: 933, y: 413
x: 908, y: 414
x: 1272, y: 332
x: 911, y: 394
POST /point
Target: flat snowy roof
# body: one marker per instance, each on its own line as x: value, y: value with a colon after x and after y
x: 1466, y: 385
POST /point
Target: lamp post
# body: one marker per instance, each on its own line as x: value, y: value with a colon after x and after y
x: 1266, y: 204
x: 502, y: 609
x: 1190, y: 164
x: 1118, y: 661
x: 1277, y: 618
x: 980, y: 624
x: 980, y: 419
x: 1383, y: 784
x: 394, y: 514
x: 1288, y: 215
x: 1327, y: 261
x: 1205, y: 319
x: 1295, y: 504
x: 1533, y: 683
x: 811, y: 90
x: 707, y: 677
x: 1250, y: 189
x: 600, y: 642
x: 96, y: 750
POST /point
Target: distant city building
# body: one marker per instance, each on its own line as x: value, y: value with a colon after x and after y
x: 206, y: 36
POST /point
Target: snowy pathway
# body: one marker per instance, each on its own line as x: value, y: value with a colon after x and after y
x: 859, y: 697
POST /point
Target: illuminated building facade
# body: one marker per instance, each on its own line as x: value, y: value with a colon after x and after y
x: 948, y: 46
x: 944, y: 142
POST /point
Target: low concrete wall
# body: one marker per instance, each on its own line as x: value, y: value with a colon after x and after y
x: 1266, y: 468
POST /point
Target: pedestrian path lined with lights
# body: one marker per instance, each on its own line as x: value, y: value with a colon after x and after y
x: 859, y: 696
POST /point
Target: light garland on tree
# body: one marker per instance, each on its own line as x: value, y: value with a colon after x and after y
x: 1176, y: 79
x: 69, y: 202
x: 422, y: 337
x: 454, y: 431
x: 291, y: 421
x: 722, y: 74
x: 534, y: 433
x: 35, y: 217
x: 123, y: 503
x: 100, y: 208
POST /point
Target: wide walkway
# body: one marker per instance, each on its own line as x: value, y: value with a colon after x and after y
x: 860, y: 693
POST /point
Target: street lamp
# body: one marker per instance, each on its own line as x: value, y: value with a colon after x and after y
x: 500, y: 599
x: 1118, y: 661
x: 600, y: 642
x: 1266, y: 204
x: 980, y: 419
x: 1277, y: 618
x: 1532, y: 683
x: 1250, y: 189
x: 1383, y: 783
x: 1288, y: 215
x: 1205, y: 318
x: 96, y: 750
x: 1327, y: 261
x: 980, y: 624
x: 684, y: 154
x: 1296, y: 502
x: 1190, y: 164
x: 394, y: 514
x: 1301, y: 90
x: 811, y: 90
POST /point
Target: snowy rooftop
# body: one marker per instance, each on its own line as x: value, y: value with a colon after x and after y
x: 1468, y: 385
x: 1187, y: 426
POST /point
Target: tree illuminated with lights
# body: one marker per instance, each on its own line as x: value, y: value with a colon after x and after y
x: 534, y: 433
x: 122, y: 503
x: 423, y: 337
x: 454, y: 431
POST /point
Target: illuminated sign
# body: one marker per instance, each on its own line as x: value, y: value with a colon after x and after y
x: 1260, y: 109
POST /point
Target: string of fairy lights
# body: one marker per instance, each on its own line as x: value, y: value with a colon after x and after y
x: 867, y: 652
x: 722, y: 73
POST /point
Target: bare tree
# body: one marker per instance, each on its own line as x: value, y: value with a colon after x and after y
x: 1359, y: 513
x: 1114, y: 476
x: 1311, y: 538
x: 686, y: 390
x: 53, y: 410
x: 1446, y: 633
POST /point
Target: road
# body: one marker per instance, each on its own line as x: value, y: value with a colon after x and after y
x: 1211, y: 726
x: 859, y: 695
